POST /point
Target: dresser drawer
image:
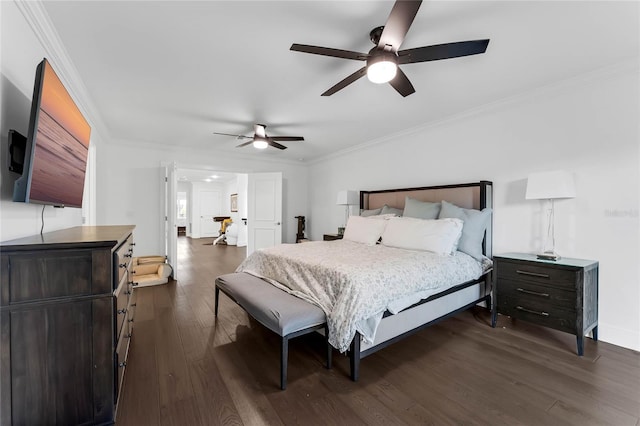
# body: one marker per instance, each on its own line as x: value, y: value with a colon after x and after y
x: 122, y: 258
x: 122, y: 300
x: 122, y: 352
x: 521, y: 271
x: 529, y: 292
x: 538, y: 313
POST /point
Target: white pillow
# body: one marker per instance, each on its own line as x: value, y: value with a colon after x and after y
x: 364, y: 230
x: 440, y: 236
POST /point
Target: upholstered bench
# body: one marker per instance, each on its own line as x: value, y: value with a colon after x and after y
x: 284, y: 314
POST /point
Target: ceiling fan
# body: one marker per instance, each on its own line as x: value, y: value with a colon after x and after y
x: 260, y: 139
x: 384, y: 58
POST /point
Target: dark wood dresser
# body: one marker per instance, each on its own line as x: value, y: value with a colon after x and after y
x: 560, y: 294
x: 66, y: 311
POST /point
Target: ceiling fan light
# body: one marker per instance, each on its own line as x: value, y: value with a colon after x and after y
x: 260, y: 144
x: 382, y: 70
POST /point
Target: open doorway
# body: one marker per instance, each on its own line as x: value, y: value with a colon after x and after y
x: 205, y: 200
x: 252, y: 200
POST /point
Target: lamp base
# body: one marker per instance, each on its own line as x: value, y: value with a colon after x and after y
x: 549, y: 255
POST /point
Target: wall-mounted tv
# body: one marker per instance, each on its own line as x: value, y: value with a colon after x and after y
x: 57, y: 146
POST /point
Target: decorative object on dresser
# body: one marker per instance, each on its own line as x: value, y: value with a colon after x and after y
x: 560, y: 294
x: 347, y: 199
x: 550, y: 186
x: 332, y: 237
x: 66, y: 312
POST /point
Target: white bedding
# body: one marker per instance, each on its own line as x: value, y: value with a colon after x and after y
x: 354, y: 283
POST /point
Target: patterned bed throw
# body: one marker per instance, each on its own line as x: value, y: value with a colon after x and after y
x: 354, y: 283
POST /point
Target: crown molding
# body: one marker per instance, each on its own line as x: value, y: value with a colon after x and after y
x: 37, y: 18
x: 626, y: 66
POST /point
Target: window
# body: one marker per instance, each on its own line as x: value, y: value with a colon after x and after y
x: 182, y: 206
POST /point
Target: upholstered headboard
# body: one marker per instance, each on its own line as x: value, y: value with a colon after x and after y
x: 476, y: 195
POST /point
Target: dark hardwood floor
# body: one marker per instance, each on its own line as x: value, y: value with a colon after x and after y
x: 187, y: 368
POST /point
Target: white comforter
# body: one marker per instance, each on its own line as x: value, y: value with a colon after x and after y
x: 354, y: 284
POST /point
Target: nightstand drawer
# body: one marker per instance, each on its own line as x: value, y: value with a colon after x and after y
x: 537, y: 313
x: 532, y: 293
x: 538, y: 274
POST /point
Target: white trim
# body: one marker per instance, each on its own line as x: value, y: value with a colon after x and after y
x: 36, y: 16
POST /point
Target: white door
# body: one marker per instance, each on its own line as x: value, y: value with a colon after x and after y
x: 210, y: 206
x: 169, y: 191
x: 264, y: 211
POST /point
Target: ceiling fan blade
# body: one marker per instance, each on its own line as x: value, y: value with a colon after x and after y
x: 347, y: 81
x: 245, y: 144
x: 260, y: 130
x: 402, y: 84
x: 398, y: 23
x: 286, y: 138
x: 326, y: 51
x: 275, y: 144
x: 442, y: 51
x: 235, y: 136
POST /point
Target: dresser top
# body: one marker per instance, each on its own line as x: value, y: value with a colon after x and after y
x: 563, y: 261
x: 79, y: 235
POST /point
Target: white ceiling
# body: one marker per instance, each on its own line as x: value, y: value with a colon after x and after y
x: 202, y: 175
x: 175, y: 72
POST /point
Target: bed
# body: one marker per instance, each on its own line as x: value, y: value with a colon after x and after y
x: 375, y: 294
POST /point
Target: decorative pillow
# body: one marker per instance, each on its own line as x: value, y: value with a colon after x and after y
x: 475, y: 223
x: 439, y: 236
x: 367, y: 213
x: 391, y: 210
x: 364, y: 230
x: 421, y: 209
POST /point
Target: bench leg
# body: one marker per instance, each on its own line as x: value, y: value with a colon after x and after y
x: 216, y: 302
x: 329, y: 348
x: 284, y: 352
x: 354, y: 358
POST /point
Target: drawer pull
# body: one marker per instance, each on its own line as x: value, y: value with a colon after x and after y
x: 122, y: 364
x: 122, y: 311
x: 542, y: 314
x: 122, y: 265
x: 532, y: 274
x: 134, y: 284
x: 535, y: 293
x: 128, y: 254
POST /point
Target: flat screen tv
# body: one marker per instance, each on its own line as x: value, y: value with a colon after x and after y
x: 55, y: 159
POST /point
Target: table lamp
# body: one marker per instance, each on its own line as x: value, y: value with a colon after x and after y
x: 550, y: 186
x: 347, y: 198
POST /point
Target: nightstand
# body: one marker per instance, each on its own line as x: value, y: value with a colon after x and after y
x: 332, y: 237
x: 560, y: 294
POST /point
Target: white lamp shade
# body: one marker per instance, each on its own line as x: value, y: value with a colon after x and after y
x: 550, y: 185
x: 347, y: 198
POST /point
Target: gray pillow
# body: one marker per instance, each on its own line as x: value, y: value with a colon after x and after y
x: 391, y: 210
x: 421, y: 209
x: 373, y: 212
x: 475, y: 223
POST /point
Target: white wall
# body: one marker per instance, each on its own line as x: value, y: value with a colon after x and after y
x: 588, y: 126
x: 129, y: 186
x: 20, y: 53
